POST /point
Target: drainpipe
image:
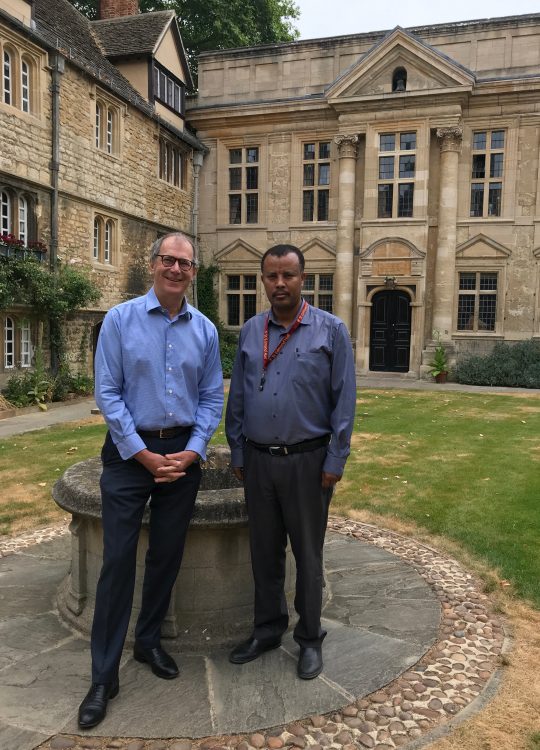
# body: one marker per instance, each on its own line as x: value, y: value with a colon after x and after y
x: 198, y: 157
x: 57, y: 65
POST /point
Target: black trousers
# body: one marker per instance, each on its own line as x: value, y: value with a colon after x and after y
x: 285, y: 498
x: 126, y: 487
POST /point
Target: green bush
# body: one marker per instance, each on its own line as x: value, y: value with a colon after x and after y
x: 514, y: 365
x: 228, y: 344
x: 17, y: 388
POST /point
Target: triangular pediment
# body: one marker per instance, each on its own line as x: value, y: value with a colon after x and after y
x: 481, y: 246
x: 427, y: 71
x: 317, y: 249
x: 238, y: 251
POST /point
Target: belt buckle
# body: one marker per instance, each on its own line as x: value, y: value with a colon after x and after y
x: 161, y: 431
x: 278, y: 450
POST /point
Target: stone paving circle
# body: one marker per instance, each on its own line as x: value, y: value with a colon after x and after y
x: 407, y: 712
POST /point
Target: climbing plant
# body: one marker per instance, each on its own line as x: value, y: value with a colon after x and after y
x: 51, y: 294
x: 208, y: 304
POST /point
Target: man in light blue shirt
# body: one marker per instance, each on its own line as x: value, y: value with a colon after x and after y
x: 160, y: 388
x: 289, y: 421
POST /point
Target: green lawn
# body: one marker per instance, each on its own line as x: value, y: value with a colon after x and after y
x: 464, y: 466
x: 460, y: 465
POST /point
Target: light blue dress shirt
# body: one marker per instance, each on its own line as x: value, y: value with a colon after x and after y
x: 309, y: 390
x: 153, y: 372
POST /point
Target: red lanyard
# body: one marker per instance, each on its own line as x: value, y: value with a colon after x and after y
x: 267, y: 359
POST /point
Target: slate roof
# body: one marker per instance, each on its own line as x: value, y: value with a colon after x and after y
x: 68, y: 31
x: 132, y: 35
x: 63, y: 28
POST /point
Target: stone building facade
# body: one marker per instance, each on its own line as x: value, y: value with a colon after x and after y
x: 95, y: 158
x: 405, y: 165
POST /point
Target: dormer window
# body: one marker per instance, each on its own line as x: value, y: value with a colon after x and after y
x: 168, y: 90
x: 399, y: 80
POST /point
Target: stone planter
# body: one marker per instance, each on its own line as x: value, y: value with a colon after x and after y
x: 212, y: 601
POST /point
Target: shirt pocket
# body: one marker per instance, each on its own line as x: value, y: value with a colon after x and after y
x: 313, y: 364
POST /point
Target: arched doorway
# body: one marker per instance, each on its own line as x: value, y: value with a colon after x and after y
x: 390, y: 331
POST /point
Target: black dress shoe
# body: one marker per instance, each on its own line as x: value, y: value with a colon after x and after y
x: 310, y: 662
x: 161, y: 664
x: 251, y: 649
x: 94, y: 707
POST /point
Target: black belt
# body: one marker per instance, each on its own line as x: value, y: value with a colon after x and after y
x: 285, y: 450
x: 166, y: 432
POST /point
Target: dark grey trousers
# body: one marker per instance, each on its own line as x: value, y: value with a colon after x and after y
x: 285, y: 498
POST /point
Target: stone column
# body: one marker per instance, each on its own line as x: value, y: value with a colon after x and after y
x: 343, y: 278
x: 443, y: 292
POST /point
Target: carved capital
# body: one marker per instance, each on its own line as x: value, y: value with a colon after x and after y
x: 346, y: 145
x: 450, y: 138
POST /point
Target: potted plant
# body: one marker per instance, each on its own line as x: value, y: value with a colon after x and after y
x: 439, y: 363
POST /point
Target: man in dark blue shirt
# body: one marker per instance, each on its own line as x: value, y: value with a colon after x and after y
x: 289, y: 422
x: 160, y: 389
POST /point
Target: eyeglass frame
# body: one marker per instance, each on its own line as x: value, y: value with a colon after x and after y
x: 179, y: 261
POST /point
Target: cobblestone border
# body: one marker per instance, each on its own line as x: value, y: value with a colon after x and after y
x: 448, y: 678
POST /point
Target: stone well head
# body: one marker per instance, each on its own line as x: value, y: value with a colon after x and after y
x: 212, y: 601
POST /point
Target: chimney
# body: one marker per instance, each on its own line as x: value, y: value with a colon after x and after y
x: 117, y: 8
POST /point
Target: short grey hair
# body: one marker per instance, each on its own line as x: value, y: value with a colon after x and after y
x: 156, y: 247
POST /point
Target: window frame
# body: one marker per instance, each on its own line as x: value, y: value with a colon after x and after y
x: 105, y: 244
x: 240, y: 294
x: 172, y: 163
x: 317, y: 191
x: 394, y: 145
x: 168, y: 90
x: 107, y: 125
x: 243, y: 201
x: 478, y: 270
x: 487, y: 185
x: 313, y: 295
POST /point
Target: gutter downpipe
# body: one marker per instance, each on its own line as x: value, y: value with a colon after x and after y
x: 57, y: 65
x: 198, y: 157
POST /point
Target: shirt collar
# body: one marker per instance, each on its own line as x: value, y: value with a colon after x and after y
x: 152, y: 303
x: 306, y: 320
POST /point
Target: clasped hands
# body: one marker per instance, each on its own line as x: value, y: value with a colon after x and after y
x: 167, y: 468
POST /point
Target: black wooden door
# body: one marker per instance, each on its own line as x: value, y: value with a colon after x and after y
x: 390, y: 336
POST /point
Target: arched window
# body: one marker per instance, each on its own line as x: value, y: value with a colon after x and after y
x: 99, y: 112
x: 6, y: 212
x: 97, y: 238
x: 25, y: 86
x: 23, y: 219
x: 26, y: 344
x: 107, y: 246
x: 109, y: 131
x: 7, y: 78
x: 399, y: 80
x: 9, y: 341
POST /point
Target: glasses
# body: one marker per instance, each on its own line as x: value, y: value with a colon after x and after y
x: 183, y: 263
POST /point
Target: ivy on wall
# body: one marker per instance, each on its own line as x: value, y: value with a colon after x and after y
x: 208, y: 304
x: 50, y: 294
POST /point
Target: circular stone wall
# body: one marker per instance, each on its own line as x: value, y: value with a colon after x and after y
x: 212, y: 601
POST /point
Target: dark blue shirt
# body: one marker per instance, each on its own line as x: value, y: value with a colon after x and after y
x: 309, y: 390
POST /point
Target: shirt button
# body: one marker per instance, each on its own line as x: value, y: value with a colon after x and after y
x: 169, y: 368
x: 170, y: 414
x: 170, y: 390
x: 170, y: 346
